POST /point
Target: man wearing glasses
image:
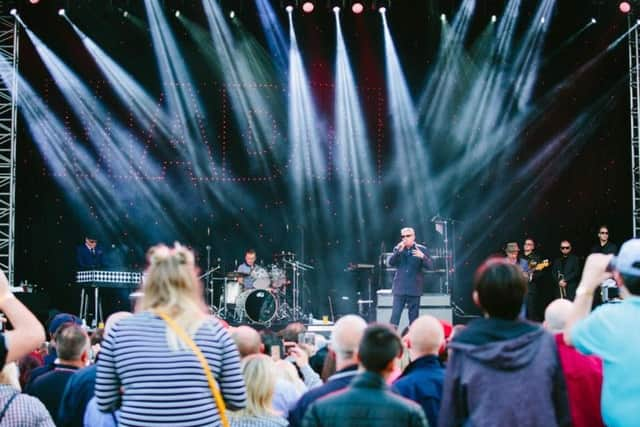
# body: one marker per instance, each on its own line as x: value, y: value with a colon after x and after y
x: 410, y: 259
x: 566, y: 272
x: 89, y: 256
x: 604, y: 246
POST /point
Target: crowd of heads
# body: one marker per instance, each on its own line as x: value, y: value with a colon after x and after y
x: 281, y: 369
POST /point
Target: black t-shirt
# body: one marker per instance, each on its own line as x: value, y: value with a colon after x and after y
x: 3, y: 350
x: 608, y: 248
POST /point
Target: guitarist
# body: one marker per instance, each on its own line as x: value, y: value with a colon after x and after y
x: 535, y: 296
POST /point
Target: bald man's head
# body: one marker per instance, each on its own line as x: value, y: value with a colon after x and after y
x: 425, y: 336
x: 248, y: 340
x: 345, y: 338
x: 556, y: 315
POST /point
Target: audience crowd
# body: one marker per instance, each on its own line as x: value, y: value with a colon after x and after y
x: 170, y: 363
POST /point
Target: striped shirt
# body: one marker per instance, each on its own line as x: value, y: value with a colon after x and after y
x: 163, y: 387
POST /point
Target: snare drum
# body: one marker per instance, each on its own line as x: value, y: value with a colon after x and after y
x: 231, y: 292
x: 257, y: 305
x: 260, y: 278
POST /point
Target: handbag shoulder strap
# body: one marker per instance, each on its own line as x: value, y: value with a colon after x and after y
x: 205, y: 366
x: 6, y: 405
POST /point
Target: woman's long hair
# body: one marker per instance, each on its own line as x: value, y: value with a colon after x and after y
x: 171, y: 285
x: 260, y: 379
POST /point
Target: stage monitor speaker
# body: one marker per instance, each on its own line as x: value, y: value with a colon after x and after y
x: 437, y: 305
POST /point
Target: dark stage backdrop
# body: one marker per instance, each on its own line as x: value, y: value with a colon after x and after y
x: 241, y: 196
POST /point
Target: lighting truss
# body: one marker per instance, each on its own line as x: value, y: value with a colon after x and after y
x: 8, y: 122
x: 634, y: 98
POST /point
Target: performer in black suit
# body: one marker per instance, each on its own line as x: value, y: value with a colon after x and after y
x: 409, y: 258
x: 89, y: 256
x: 566, y: 271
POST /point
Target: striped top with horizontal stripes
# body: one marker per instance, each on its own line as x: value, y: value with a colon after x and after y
x: 163, y: 387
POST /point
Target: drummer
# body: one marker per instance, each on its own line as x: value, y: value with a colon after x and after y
x: 247, y: 268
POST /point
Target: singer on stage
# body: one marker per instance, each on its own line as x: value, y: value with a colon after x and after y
x: 410, y: 259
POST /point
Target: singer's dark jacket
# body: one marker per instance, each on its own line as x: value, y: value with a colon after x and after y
x: 85, y: 260
x: 409, y: 277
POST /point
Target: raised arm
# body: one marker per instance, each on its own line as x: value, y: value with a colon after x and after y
x: 27, y: 333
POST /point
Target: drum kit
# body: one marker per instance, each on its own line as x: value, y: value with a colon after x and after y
x: 266, y: 300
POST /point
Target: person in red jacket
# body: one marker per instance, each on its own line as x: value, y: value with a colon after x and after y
x: 583, y: 374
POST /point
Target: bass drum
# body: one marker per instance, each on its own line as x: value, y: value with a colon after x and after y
x: 257, y: 305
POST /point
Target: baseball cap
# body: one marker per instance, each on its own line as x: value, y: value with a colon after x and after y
x: 60, y: 319
x: 628, y: 259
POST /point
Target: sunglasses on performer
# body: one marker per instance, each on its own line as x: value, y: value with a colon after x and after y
x: 565, y: 247
x: 406, y: 236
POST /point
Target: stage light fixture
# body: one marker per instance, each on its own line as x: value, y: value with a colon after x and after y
x: 308, y: 7
x: 177, y: 14
x: 232, y: 14
x: 289, y: 5
x: 336, y: 9
x: 625, y: 7
x: 593, y: 20
x: 382, y: 5
x: 61, y: 12
x: 125, y: 14
x: 443, y: 17
x: 357, y: 7
x: 494, y: 18
x: 13, y: 12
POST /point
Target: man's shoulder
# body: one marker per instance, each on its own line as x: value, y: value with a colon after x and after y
x: 421, y: 374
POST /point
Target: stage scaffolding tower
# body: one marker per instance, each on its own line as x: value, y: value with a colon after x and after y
x: 8, y: 122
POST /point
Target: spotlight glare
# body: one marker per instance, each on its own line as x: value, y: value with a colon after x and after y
x: 443, y: 17
x: 593, y: 20
x: 13, y: 12
x: 357, y: 8
x: 289, y: 9
x: 308, y: 7
x: 232, y: 14
x: 382, y: 10
x: 494, y: 18
x: 542, y: 20
x: 625, y: 7
x: 177, y: 14
x: 125, y: 13
x: 336, y: 9
x: 61, y: 12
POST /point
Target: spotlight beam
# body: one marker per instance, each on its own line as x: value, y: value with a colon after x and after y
x: 353, y: 159
x: 411, y: 151
x: 309, y: 169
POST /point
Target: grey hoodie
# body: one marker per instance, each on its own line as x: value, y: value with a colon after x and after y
x: 504, y: 373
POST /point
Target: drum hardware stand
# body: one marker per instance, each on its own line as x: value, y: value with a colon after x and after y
x: 209, y: 280
x: 297, y: 313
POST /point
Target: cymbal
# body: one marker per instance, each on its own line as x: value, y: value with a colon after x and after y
x: 283, y: 254
x: 236, y: 275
